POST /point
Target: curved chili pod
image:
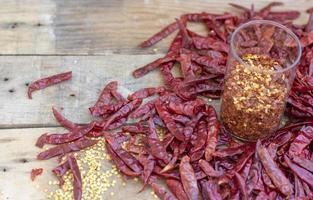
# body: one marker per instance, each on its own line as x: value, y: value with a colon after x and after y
x: 65, y: 148
x: 188, y: 179
x: 242, y: 185
x: 106, y: 108
x: 160, y: 35
x: 60, y: 170
x: 105, y: 96
x: 213, y: 132
x: 300, y: 172
x: 63, y: 121
x: 176, y: 188
x: 273, y: 171
x: 145, y: 92
x: 120, y: 164
x: 77, y: 179
x: 48, y: 81
x: 208, y: 169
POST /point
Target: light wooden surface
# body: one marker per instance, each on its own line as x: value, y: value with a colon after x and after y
x: 99, y: 26
x: 43, y: 37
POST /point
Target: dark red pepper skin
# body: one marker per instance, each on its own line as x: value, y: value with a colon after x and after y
x: 48, y: 81
x: 77, y: 179
x: 188, y: 179
x: 65, y: 148
x: 176, y: 188
x: 213, y: 132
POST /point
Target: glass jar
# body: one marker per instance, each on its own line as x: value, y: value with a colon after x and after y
x: 260, y: 71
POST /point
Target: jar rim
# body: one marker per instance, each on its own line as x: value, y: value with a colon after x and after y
x: 287, y: 30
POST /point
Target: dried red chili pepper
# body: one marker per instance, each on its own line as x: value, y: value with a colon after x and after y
x: 77, y: 179
x: 153, y: 65
x: 35, y: 172
x: 188, y: 179
x: 63, y: 121
x: 48, y: 81
x: 300, y: 172
x: 208, y: 169
x: 106, y: 109
x: 65, y: 148
x: 66, y: 137
x: 305, y: 163
x: 160, y: 35
x: 301, y: 141
x: 145, y: 92
x: 121, y: 166
x: 176, y: 188
x: 169, y: 122
x: 242, y: 186
x: 105, y: 96
x: 161, y: 192
x: 273, y: 171
x: 213, y: 132
x: 60, y: 170
x: 210, y: 190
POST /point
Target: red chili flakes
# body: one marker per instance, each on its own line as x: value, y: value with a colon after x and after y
x: 35, y: 172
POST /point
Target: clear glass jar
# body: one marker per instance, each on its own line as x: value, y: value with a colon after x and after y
x: 260, y: 71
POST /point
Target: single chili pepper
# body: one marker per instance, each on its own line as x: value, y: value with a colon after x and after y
x: 35, y: 172
x: 153, y: 65
x: 122, y: 112
x: 188, y: 179
x: 242, y: 186
x: 65, y: 148
x: 176, y: 188
x: 136, y: 128
x: 118, y: 96
x: 105, y: 96
x: 213, y: 132
x: 63, y: 121
x: 305, y: 163
x: 267, y: 180
x: 145, y: 92
x: 60, y: 170
x: 161, y: 192
x: 273, y: 171
x: 300, y: 172
x: 299, y: 191
x: 48, y: 81
x: 120, y: 164
x: 301, y: 141
x: 160, y: 35
x: 148, y: 166
x: 106, y: 109
x: 208, y: 169
x: 186, y: 40
x: 77, y: 179
x: 201, y: 137
x: 66, y: 137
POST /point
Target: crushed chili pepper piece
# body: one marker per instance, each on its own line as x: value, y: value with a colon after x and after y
x: 36, y: 172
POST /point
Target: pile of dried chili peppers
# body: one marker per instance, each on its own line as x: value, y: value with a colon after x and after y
x: 177, y: 136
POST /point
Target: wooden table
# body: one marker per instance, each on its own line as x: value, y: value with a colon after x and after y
x: 95, y: 39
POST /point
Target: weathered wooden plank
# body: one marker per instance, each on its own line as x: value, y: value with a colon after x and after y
x: 100, y: 27
x: 18, y: 157
x: 90, y: 74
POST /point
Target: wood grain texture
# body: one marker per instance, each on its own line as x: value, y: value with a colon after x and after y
x: 16, y: 165
x: 93, y: 27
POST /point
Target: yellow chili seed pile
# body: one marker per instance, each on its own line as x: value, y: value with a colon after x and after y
x: 97, y: 179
